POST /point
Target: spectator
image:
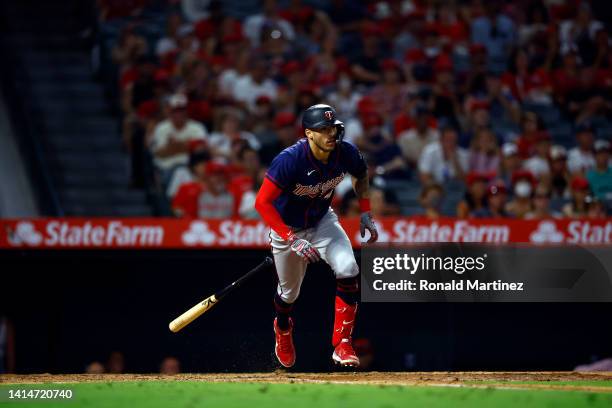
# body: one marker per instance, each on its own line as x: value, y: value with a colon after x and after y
x: 254, y: 25
x: 474, y: 205
x: 559, y: 175
x: 531, y: 127
x: 431, y: 198
x: 130, y: 46
x: 588, y: 99
x: 171, y: 137
x: 521, y: 203
x: 497, y: 199
x: 600, y: 177
x: 261, y: 120
x: 380, y: 147
x: 538, y: 163
x: 230, y: 133
x: 478, y: 118
x: 239, y: 71
x: 444, y: 160
x: 577, y: 207
x: 581, y: 158
x: 286, y: 135
x: 566, y: 78
x: 256, y: 83
x: 95, y: 367
x: 170, y: 366
x: 345, y: 98
x: 503, y: 106
x: 413, y: 141
x: 484, y: 152
x: 115, y: 363
x: 198, y: 157
x: 510, y: 162
x: 383, y: 203
x: 114, y: 9
x: 596, y: 209
x: 206, y: 197
x: 390, y: 94
x: 353, y: 128
x: 169, y: 43
x: 495, y: 31
x: 366, y: 67
x: 526, y: 83
x: 7, y: 346
x: 581, y: 30
x: 196, y: 10
x: 541, y: 204
x: 446, y: 105
x: 244, y: 187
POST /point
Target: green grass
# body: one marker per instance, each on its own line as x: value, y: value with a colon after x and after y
x: 577, y: 383
x: 191, y: 394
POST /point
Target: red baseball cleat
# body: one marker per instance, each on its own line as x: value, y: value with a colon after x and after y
x: 344, y: 354
x: 344, y: 322
x: 283, y: 348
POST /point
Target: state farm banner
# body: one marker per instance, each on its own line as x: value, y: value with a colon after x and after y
x: 143, y: 233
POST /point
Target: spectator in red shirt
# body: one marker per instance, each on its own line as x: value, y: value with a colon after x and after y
x: 390, y: 95
x: 245, y: 185
x: 532, y: 125
x: 566, y: 78
x: 207, y: 196
x: 527, y: 84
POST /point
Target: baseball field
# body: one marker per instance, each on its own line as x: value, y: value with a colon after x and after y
x: 297, y: 390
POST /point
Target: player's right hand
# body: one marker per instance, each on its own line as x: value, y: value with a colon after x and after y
x: 304, y: 249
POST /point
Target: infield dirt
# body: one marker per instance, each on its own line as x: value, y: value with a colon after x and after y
x: 599, y: 382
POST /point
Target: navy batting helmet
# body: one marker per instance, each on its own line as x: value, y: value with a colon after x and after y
x: 321, y: 115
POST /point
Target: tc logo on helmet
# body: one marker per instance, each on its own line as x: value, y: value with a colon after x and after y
x: 329, y: 115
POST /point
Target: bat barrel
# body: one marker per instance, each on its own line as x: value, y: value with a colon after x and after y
x: 192, y: 314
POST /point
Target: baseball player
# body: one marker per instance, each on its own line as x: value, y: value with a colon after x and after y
x: 294, y: 200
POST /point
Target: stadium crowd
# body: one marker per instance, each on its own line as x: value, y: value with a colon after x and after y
x: 487, y: 108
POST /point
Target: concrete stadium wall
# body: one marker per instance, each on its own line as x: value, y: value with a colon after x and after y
x: 16, y: 192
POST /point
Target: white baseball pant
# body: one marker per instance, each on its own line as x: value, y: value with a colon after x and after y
x: 332, y: 243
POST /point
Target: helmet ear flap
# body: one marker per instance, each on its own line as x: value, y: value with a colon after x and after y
x: 340, y: 133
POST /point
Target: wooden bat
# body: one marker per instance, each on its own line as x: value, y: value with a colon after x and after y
x: 207, y: 304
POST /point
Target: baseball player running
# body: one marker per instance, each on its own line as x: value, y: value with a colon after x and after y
x: 294, y: 200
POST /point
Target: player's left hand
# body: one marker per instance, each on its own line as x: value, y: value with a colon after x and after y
x: 367, y: 223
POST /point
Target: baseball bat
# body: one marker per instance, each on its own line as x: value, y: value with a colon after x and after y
x: 207, y: 304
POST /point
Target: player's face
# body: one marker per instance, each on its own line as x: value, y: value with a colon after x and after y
x: 323, y: 138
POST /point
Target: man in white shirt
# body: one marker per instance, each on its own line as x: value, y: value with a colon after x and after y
x: 580, y: 159
x: 249, y: 87
x: 223, y: 141
x: 444, y: 160
x: 171, y: 137
x: 413, y: 141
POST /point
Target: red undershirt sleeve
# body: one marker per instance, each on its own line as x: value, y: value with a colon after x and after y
x: 265, y: 207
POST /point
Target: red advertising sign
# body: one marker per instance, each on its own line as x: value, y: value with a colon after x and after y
x: 142, y: 233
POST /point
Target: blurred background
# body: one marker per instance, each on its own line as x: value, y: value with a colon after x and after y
x: 173, y: 108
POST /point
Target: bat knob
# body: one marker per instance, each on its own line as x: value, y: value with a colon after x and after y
x: 269, y: 261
